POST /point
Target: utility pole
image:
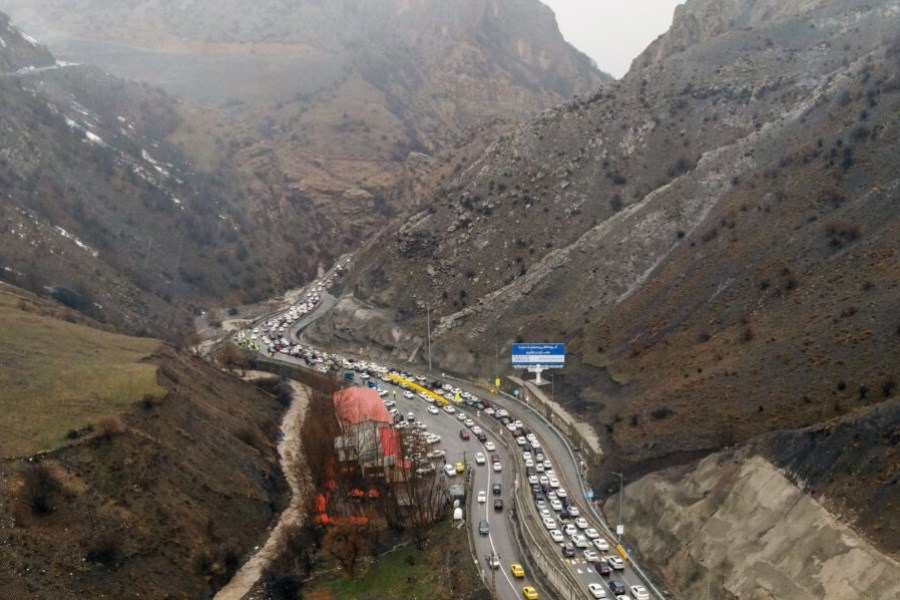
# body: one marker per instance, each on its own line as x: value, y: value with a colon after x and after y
x: 428, y: 312
x: 621, y: 496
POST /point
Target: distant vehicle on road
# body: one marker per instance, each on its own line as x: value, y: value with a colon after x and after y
x: 483, y: 527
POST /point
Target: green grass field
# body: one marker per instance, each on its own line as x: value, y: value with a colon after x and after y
x: 56, y: 376
x: 409, y: 573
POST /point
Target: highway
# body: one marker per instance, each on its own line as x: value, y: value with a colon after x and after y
x: 501, y: 540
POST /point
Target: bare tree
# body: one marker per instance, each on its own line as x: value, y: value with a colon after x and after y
x: 231, y: 357
x: 415, y: 495
x: 347, y: 541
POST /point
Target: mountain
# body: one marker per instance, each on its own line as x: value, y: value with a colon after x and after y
x: 107, y: 212
x: 127, y: 469
x: 715, y: 237
x: 344, y: 105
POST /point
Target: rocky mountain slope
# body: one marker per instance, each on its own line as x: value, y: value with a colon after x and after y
x: 105, y: 210
x: 715, y: 236
x: 149, y: 209
x: 341, y: 105
x: 160, y: 499
x: 759, y: 521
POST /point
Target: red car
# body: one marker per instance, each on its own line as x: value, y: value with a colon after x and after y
x: 463, y: 434
x: 498, y: 504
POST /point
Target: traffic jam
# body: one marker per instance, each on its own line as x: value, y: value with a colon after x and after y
x: 562, y: 519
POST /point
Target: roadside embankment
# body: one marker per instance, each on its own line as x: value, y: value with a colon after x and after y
x: 736, y: 524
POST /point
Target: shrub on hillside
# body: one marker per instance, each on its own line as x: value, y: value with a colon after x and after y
x: 39, y: 488
x: 109, y: 426
x: 103, y: 548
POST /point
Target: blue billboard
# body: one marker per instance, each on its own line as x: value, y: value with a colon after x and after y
x: 532, y: 355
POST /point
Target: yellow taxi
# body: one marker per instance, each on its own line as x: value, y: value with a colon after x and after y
x: 460, y: 467
x: 517, y: 570
x: 530, y: 593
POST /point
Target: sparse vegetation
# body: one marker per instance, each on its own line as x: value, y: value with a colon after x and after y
x: 48, y: 387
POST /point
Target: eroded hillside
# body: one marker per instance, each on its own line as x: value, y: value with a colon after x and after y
x: 336, y: 111
x: 161, y: 496
x: 715, y: 236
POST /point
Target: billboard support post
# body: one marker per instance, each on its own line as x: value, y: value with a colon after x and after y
x: 537, y: 370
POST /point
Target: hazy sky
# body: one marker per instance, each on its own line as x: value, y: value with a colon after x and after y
x: 613, y: 32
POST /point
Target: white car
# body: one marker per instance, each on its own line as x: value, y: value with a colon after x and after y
x: 479, y: 458
x: 570, y: 530
x: 539, y: 467
x: 529, y: 463
x: 482, y: 497
x: 520, y: 441
x: 432, y: 438
x: 450, y: 470
x: 581, y: 523
x: 532, y: 479
x: 591, y: 555
x: 591, y: 533
x: 476, y: 430
x: 580, y: 541
x: 469, y: 423
x: 408, y: 394
x: 639, y: 592
x: 561, y: 492
x: 461, y: 417
x: 601, y: 545
x: 526, y: 456
x: 556, y: 505
x: 616, y: 563
x: 449, y: 409
x: 490, y: 446
x: 436, y: 454
x: 433, y: 410
x: 596, y: 590
x: 549, y: 523
x: 497, y: 467
x: 573, y: 510
x: 557, y: 535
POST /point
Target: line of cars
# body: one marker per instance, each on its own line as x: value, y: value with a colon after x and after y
x: 563, y: 521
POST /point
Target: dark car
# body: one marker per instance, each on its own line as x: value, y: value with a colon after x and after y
x: 498, y: 489
x: 536, y: 489
x: 568, y: 550
x: 463, y: 434
x: 495, y: 458
x: 603, y: 568
x: 498, y: 504
x: 482, y: 437
x: 617, y: 587
x: 483, y: 527
x: 479, y: 406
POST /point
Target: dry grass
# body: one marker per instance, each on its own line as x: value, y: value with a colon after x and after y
x: 56, y: 376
